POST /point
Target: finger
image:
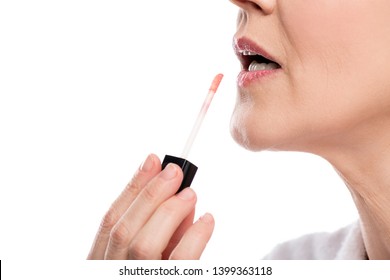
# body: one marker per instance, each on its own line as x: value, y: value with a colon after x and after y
x: 188, y: 221
x: 194, y: 240
x: 149, y: 169
x: 154, y: 237
x: 158, y: 190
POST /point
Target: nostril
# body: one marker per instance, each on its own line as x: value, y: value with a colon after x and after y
x: 255, y: 6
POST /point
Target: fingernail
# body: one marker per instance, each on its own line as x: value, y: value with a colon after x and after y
x: 207, y: 218
x: 186, y: 194
x: 147, y: 165
x: 169, y: 172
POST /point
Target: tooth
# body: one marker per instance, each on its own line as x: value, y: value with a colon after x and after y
x: 271, y: 66
x: 248, y: 53
x: 255, y: 66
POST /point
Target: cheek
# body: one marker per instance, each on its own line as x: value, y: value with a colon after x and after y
x: 338, y: 59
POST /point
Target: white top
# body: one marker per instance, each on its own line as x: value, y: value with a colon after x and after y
x: 344, y: 244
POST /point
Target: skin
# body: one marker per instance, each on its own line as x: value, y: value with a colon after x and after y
x: 332, y: 97
x: 148, y: 221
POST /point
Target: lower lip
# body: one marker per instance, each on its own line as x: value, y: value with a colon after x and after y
x: 246, y: 78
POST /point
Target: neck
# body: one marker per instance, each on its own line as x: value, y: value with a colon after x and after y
x: 364, y: 163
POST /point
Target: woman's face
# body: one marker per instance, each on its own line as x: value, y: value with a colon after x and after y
x: 332, y: 76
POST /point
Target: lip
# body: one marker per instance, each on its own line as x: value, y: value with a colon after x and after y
x: 245, y: 78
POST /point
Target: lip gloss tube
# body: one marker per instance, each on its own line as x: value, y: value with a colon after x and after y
x: 189, y: 169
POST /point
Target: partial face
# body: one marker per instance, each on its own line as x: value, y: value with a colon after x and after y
x: 329, y: 76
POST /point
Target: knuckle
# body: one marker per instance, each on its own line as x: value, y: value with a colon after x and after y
x: 168, y: 209
x: 140, y: 250
x: 151, y: 194
x: 120, y: 235
x: 109, y: 220
x: 133, y: 187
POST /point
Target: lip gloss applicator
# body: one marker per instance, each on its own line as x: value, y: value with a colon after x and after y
x: 188, y: 168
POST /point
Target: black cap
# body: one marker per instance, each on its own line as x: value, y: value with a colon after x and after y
x: 189, y: 169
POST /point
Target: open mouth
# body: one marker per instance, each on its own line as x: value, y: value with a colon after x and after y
x: 252, y: 61
x: 253, y: 57
x: 256, y: 63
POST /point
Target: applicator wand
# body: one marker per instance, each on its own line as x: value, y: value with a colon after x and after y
x: 189, y: 169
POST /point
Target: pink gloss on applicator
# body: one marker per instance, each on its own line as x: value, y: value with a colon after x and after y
x: 188, y: 168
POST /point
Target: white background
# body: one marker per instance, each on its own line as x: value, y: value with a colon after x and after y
x: 89, y: 88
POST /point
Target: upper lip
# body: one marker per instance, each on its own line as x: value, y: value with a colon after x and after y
x: 244, y: 44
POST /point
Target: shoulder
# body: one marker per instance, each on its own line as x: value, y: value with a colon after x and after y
x: 345, y: 243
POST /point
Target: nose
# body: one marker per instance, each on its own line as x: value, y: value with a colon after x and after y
x: 266, y: 6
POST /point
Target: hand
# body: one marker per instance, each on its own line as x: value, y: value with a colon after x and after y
x: 149, y: 221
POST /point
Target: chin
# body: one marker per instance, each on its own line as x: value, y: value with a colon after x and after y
x: 265, y: 134
x: 251, y: 143
x: 248, y: 135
